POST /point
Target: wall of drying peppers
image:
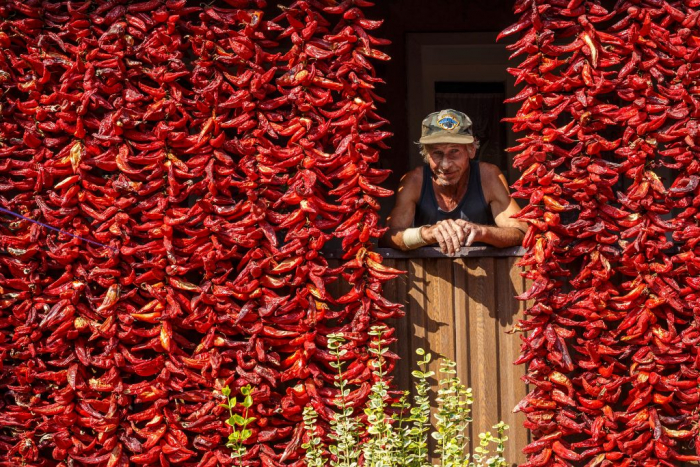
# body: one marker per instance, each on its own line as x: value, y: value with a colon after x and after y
x: 610, y: 160
x: 196, y: 158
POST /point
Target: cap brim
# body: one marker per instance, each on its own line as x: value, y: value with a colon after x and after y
x: 436, y: 139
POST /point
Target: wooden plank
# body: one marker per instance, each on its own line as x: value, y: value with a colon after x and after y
x: 395, y: 291
x: 461, y: 320
x: 440, y: 317
x: 464, y: 252
x: 440, y: 314
x: 438, y: 311
x: 435, y: 252
x: 417, y: 298
x: 511, y: 388
x: 432, y: 343
x: 461, y: 329
x: 483, y: 344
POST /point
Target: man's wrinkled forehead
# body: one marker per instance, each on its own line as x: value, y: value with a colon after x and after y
x: 445, y: 146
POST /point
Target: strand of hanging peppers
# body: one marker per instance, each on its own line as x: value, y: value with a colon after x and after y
x: 611, y: 352
x: 330, y: 111
x: 174, y: 135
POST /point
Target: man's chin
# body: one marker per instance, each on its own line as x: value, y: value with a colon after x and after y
x: 446, y: 182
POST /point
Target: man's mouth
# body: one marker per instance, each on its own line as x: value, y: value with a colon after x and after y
x: 444, y: 178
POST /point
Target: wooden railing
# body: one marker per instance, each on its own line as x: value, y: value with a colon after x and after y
x: 462, y: 308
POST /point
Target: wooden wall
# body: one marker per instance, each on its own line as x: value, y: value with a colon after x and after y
x: 462, y: 308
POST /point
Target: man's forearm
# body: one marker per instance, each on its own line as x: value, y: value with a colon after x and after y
x: 499, y: 237
x: 502, y: 237
x: 403, y: 239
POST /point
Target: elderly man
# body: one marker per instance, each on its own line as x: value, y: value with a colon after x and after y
x: 452, y: 200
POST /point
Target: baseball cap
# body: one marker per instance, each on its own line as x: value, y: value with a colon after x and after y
x: 446, y: 126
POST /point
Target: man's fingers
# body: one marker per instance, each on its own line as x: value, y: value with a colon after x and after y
x: 462, y: 236
x: 444, y: 238
x: 440, y: 239
x: 470, y: 237
x: 459, y: 230
x: 454, y: 236
x: 450, y: 235
x: 448, y: 248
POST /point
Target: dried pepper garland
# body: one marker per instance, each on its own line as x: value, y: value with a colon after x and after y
x: 609, y: 107
x: 212, y: 152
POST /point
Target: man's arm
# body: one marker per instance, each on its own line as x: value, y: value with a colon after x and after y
x: 401, y: 217
x: 448, y: 234
x: 507, y: 231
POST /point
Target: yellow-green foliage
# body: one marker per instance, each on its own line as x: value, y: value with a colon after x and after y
x: 238, y: 422
x: 401, y: 439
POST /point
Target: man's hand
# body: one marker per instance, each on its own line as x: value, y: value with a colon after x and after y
x: 449, y: 234
x: 452, y: 235
x: 473, y: 232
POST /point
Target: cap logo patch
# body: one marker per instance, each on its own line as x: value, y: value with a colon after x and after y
x: 448, y: 123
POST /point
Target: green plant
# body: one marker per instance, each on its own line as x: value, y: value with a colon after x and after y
x: 414, y: 438
x: 344, y: 427
x: 382, y: 441
x: 238, y: 422
x: 314, y: 445
x: 401, y: 439
x: 485, y: 440
x: 452, y: 417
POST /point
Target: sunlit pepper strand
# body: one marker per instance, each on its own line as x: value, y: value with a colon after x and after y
x: 590, y: 40
x: 138, y: 217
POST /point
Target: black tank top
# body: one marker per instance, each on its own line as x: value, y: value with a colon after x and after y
x: 472, y: 207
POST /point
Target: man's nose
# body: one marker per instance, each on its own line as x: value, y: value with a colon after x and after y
x: 444, y: 163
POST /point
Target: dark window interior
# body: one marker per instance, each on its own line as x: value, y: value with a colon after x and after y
x: 483, y: 103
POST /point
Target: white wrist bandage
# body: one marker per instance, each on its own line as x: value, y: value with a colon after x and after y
x: 412, y: 238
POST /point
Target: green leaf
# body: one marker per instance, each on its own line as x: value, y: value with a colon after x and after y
x: 226, y: 391
x: 238, y: 420
x: 245, y: 390
x: 226, y: 406
x: 247, y: 402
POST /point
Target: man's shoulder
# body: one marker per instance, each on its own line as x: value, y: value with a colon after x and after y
x: 489, y: 171
x: 411, y: 183
x: 413, y: 177
x: 415, y: 173
x: 493, y: 182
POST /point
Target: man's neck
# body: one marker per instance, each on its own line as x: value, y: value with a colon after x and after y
x: 449, y: 196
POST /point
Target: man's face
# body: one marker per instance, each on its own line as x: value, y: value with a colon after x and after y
x: 449, y: 161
